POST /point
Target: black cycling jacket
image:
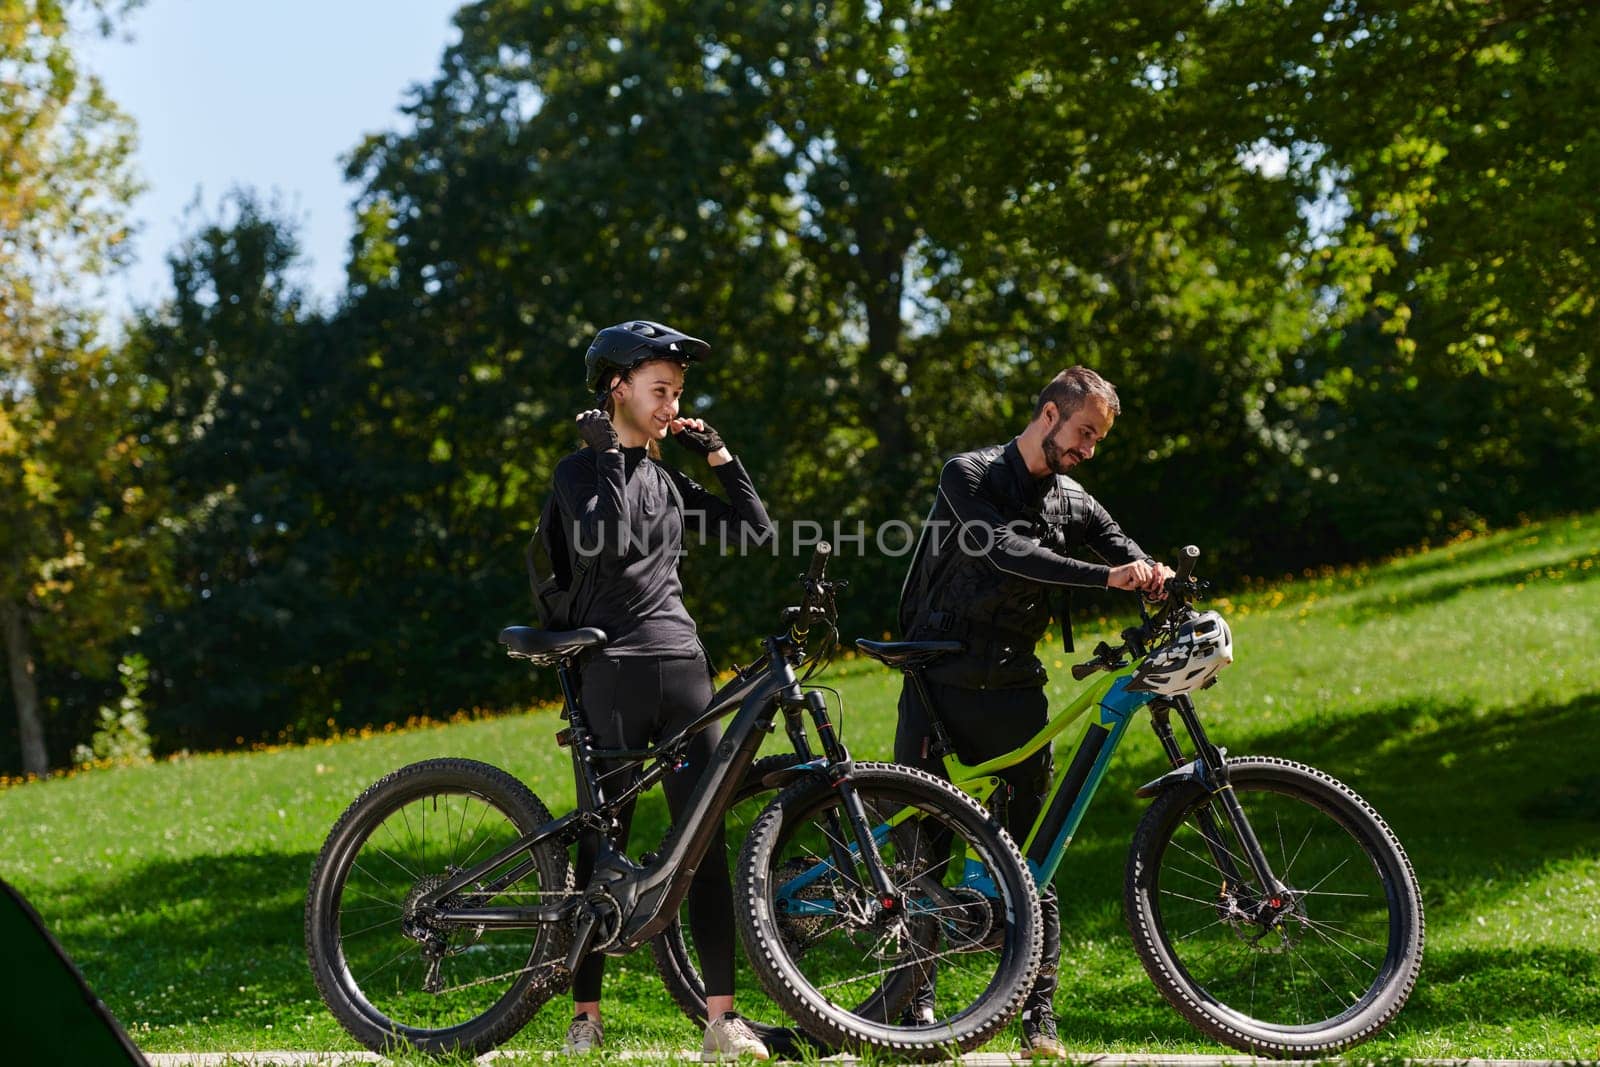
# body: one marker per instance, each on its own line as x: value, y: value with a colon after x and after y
x: 994, y: 563
x: 631, y: 513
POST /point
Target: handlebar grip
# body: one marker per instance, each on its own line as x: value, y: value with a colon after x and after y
x: 1187, y: 555
x: 1080, y: 671
x: 819, y: 564
x: 819, y: 561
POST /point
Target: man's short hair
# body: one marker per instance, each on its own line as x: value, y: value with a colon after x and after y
x: 1069, y: 389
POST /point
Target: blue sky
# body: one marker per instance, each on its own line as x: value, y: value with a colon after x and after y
x: 267, y: 95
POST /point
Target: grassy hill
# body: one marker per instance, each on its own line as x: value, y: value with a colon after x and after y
x: 1457, y: 688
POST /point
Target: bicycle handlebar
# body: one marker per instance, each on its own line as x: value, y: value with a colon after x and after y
x: 1179, y: 589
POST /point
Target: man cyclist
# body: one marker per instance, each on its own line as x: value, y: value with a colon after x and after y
x: 993, y: 565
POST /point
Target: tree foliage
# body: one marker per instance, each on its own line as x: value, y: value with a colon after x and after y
x: 244, y: 406
x: 81, y: 553
x: 1339, y: 258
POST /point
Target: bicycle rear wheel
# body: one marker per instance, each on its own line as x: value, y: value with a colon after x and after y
x: 394, y: 975
x: 1315, y: 971
x: 842, y: 963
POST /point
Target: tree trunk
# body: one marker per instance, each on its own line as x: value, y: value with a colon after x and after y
x: 24, y: 689
x: 886, y: 409
x: 884, y: 237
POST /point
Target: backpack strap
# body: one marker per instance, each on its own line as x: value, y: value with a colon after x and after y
x: 914, y: 590
x: 580, y: 563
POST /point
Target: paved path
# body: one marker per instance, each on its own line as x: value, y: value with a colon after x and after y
x: 976, y: 1059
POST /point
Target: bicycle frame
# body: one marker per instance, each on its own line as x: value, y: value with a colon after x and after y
x: 646, y: 897
x: 1065, y: 804
x: 1071, y: 792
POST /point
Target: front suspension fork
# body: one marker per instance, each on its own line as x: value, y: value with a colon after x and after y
x: 839, y: 766
x: 1213, y: 774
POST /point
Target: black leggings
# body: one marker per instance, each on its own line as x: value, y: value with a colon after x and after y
x: 632, y: 702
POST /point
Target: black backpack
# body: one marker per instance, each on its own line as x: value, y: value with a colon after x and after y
x: 556, y: 577
x: 559, y: 576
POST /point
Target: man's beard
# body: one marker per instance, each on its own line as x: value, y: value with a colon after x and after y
x: 1058, y: 459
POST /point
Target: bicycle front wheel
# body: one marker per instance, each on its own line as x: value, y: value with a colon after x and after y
x: 844, y: 959
x: 391, y: 972
x: 1309, y: 972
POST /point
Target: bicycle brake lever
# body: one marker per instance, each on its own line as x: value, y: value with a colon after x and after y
x: 1105, y: 658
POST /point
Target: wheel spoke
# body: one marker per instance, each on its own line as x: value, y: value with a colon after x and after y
x: 1324, y: 929
x: 1330, y: 874
x: 1210, y: 883
x: 1289, y: 866
x: 1343, y: 965
x: 368, y: 929
x: 1315, y: 929
x: 379, y: 901
x: 1317, y: 975
x: 1207, y: 860
x: 414, y: 876
x: 396, y: 958
x: 1214, y: 923
x: 1185, y: 896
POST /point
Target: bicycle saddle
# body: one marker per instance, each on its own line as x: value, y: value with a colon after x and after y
x: 908, y: 654
x: 549, y: 645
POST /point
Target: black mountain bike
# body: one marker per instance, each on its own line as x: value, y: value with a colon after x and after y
x: 442, y: 915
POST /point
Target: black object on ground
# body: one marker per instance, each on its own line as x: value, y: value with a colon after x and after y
x: 49, y: 1014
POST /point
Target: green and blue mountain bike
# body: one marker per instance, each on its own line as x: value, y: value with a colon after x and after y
x: 1269, y: 903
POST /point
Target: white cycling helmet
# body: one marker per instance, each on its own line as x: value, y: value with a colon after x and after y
x: 1202, y: 647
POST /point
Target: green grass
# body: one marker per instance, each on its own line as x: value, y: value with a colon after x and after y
x: 1458, y: 689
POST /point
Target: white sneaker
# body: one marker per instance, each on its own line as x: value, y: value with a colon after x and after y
x: 729, y: 1038
x: 584, y: 1036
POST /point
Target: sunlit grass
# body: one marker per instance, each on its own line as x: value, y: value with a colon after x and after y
x: 1458, y: 689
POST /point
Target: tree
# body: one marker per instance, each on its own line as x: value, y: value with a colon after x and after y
x: 894, y: 220
x: 1449, y: 152
x: 243, y: 417
x: 80, y: 554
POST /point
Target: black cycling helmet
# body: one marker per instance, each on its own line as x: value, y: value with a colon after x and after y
x: 624, y: 346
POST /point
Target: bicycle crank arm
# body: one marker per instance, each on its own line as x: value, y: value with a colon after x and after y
x: 588, y: 922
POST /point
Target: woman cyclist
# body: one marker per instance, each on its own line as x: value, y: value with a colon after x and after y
x: 631, y: 512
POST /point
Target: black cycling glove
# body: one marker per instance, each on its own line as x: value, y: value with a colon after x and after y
x: 596, y: 430
x: 700, y: 442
